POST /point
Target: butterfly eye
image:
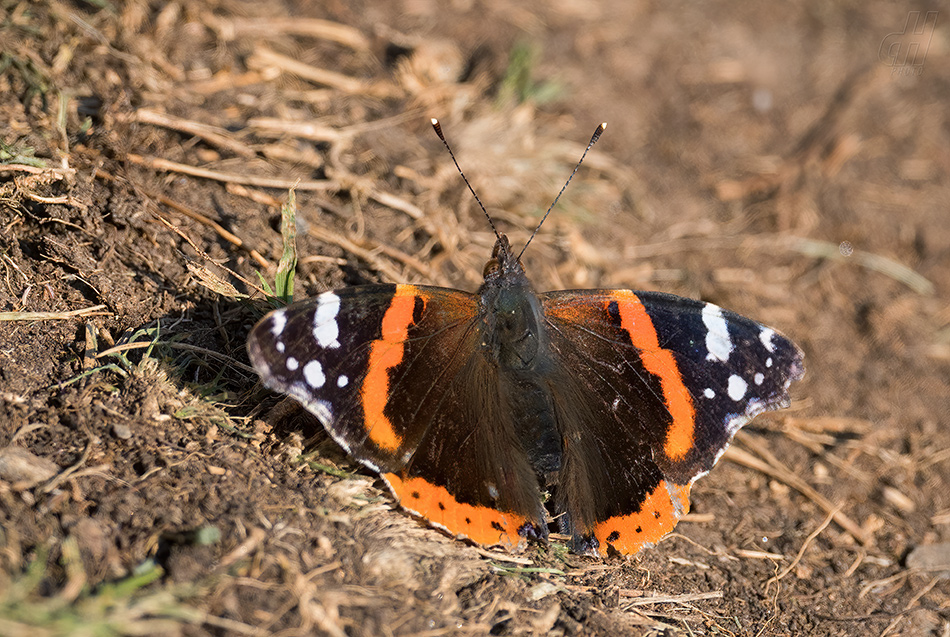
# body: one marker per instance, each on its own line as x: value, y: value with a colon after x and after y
x: 492, y: 269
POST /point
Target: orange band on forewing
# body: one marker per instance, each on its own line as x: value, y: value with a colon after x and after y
x: 385, y: 353
x: 657, y: 516
x: 480, y: 524
x: 660, y: 363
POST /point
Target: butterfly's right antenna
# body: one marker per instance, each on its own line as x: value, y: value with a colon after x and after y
x: 593, y: 140
x: 438, y: 131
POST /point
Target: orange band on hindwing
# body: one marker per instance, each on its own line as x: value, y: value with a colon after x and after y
x: 658, y: 514
x: 385, y: 353
x: 660, y: 362
x: 480, y: 524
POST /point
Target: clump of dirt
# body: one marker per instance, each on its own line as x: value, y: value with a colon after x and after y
x: 777, y: 166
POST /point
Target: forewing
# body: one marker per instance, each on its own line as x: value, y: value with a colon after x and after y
x: 344, y: 354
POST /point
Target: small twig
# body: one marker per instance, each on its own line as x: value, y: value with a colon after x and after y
x: 58, y: 173
x: 396, y: 203
x: 895, y: 581
x: 288, y: 153
x: 242, y: 550
x: 232, y: 626
x: 724, y: 556
x: 264, y: 56
x: 25, y: 429
x: 212, y: 134
x: 926, y: 589
x: 223, y: 232
x: 168, y: 224
x: 674, y: 599
x: 503, y: 557
x: 320, y: 258
x: 369, y: 255
x: 54, y: 316
x: 321, y: 133
x: 65, y: 473
x: 801, y: 552
x: 157, y: 163
x: 759, y: 555
x: 302, y: 130
x: 323, y: 29
x: 414, y: 263
x: 61, y: 200
x: 818, y: 444
x: 935, y: 458
x: 225, y: 81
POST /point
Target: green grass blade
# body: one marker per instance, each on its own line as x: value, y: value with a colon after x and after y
x: 284, y: 283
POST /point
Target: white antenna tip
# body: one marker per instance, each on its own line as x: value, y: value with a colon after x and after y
x: 435, y: 122
x: 603, y: 125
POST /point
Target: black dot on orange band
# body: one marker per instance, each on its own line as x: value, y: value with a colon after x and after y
x: 441, y: 507
x: 639, y: 530
x: 498, y: 527
x: 468, y: 520
x: 656, y: 514
x: 614, y: 536
x: 414, y: 495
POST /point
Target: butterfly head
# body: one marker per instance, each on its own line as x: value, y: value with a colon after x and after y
x: 504, y: 268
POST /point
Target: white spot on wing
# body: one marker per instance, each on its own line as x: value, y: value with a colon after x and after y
x: 766, y: 337
x: 313, y: 373
x: 759, y: 378
x: 292, y: 363
x: 280, y: 347
x: 768, y: 361
x: 709, y: 393
x: 325, y: 328
x: 342, y: 381
x: 718, y: 343
x: 737, y: 388
x: 278, y: 321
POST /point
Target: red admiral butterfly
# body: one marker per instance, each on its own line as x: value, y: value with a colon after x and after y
x: 470, y: 406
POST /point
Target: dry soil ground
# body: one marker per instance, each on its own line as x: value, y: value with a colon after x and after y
x: 790, y: 161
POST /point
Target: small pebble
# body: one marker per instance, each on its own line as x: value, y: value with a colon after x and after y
x: 122, y: 432
x: 930, y: 557
x: 19, y: 465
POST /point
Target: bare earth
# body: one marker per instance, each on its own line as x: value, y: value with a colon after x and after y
x: 788, y: 161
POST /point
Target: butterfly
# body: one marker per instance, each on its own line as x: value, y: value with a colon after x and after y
x: 474, y: 407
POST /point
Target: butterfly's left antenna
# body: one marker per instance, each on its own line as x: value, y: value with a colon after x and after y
x: 438, y: 131
x: 593, y: 140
